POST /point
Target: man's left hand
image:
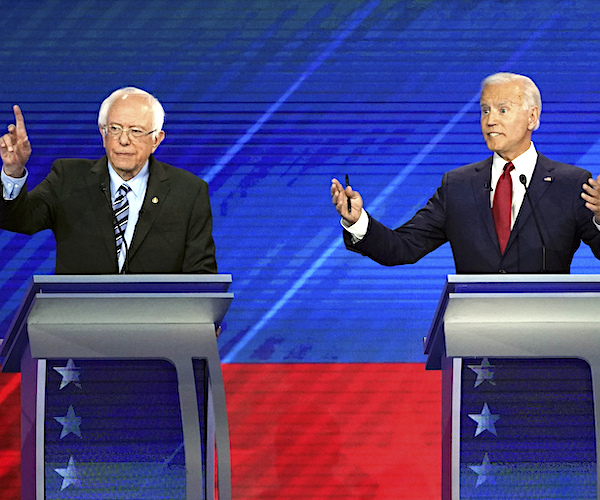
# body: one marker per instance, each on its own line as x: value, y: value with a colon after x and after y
x: 591, y: 195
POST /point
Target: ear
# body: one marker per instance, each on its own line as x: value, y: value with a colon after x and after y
x: 534, y: 116
x: 159, y: 138
x: 103, y: 136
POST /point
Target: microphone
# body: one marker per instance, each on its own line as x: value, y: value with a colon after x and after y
x: 487, y: 186
x: 115, y: 222
x: 523, y: 180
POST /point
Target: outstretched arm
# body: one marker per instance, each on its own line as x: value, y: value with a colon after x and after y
x: 15, y: 148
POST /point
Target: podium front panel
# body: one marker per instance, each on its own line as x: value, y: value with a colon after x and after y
x: 527, y: 429
x: 113, y: 429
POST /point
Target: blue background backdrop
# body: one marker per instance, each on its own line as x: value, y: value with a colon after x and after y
x: 267, y: 101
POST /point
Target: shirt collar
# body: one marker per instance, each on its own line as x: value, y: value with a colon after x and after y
x: 137, y: 184
x: 524, y: 163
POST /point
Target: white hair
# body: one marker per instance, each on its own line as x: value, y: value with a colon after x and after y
x: 531, y: 94
x: 158, y: 113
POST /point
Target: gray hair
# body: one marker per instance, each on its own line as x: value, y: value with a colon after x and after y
x: 158, y: 113
x: 531, y: 94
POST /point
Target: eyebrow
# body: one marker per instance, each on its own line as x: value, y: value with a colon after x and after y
x: 122, y: 126
x: 503, y: 103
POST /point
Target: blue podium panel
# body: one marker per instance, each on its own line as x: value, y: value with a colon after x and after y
x: 113, y: 429
x: 527, y: 430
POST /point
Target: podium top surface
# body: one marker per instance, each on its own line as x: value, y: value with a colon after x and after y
x: 143, y: 283
x: 178, y: 288
x: 515, y: 283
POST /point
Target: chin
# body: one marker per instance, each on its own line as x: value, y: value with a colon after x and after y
x: 496, y: 148
x: 124, y: 168
x: 491, y: 146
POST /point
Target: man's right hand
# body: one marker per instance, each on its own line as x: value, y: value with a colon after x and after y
x: 15, y: 148
x: 340, y: 197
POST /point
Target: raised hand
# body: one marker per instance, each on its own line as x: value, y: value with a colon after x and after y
x: 340, y: 197
x: 591, y: 195
x: 15, y: 148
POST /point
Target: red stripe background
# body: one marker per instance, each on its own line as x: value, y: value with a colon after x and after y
x: 353, y: 431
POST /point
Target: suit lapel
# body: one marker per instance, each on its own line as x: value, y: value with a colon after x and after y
x: 156, y: 194
x: 99, y: 192
x: 540, y: 181
x: 480, y: 181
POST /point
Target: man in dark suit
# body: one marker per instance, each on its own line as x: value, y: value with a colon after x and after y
x: 168, y: 223
x: 462, y: 209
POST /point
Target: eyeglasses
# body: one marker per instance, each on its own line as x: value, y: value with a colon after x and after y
x: 134, y: 133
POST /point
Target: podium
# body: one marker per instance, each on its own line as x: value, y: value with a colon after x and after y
x: 520, y: 361
x: 122, y: 390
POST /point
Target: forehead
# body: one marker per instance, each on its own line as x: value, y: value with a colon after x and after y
x: 502, y: 93
x: 132, y: 109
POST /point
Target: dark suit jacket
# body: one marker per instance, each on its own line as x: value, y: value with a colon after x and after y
x: 173, y: 233
x: 460, y: 213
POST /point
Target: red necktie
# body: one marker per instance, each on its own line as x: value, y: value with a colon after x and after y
x: 502, y: 206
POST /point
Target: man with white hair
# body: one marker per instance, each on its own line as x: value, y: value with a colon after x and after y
x: 126, y: 212
x: 481, y: 208
x: 514, y: 212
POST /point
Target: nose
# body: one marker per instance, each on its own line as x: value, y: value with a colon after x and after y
x: 489, y: 118
x: 124, y: 138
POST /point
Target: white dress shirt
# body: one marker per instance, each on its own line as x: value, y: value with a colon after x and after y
x: 11, y: 187
x: 524, y: 165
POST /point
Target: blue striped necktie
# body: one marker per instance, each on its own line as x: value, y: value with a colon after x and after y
x: 121, y: 211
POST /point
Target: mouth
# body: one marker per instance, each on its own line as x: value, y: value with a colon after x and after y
x: 493, y: 134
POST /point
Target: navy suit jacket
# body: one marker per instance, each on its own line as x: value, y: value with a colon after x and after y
x: 173, y: 233
x: 460, y: 213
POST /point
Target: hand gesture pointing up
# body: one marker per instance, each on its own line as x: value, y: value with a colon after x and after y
x: 15, y: 148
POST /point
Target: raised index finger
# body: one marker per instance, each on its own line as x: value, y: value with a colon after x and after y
x: 19, y: 121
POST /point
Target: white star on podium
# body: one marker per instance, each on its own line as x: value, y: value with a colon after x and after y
x: 484, y: 372
x: 70, y: 423
x: 485, y: 420
x: 484, y: 471
x: 70, y: 373
x: 69, y: 475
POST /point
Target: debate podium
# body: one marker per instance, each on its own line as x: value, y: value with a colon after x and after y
x: 520, y: 361
x: 122, y: 390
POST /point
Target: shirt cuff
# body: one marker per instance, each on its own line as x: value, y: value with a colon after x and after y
x: 11, y: 186
x: 595, y: 223
x: 358, y: 230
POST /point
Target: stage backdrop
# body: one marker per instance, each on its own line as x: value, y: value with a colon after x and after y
x: 267, y: 101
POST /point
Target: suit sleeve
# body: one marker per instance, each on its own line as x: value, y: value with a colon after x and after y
x: 32, y: 211
x: 200, y: 248
x: 410, y: 242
